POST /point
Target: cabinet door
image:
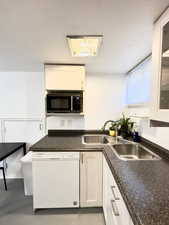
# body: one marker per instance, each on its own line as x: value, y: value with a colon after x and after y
x: 160, y: 74
x: 64, y: 77
x: 91, y: 179
x: 114, y: 208
x: 20, y: 131
x: 105, y: 191
x: 107, y: 197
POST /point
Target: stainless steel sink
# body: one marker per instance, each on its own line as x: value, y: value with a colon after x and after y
x: 101, y: 139
x: 134, y: 152
x: 118, y: 140
x: 94, y: 139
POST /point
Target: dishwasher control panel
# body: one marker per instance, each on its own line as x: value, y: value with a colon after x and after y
x: 55, y: 155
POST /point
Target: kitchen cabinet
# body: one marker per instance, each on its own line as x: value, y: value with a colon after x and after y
x: 90, y: 179
x: 64, y: 77
x: 114, y: 207
x: 160, y: 74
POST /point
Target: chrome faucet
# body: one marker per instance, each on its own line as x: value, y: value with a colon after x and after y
x: 111, y: 121
x: 108, y: 121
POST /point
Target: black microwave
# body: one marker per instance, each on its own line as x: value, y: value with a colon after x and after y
x: 64, y: 102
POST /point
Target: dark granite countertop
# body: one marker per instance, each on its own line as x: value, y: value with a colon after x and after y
x: 144, y: 185
x: 64, y: 143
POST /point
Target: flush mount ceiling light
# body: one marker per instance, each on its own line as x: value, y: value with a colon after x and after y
x: 84, y: 45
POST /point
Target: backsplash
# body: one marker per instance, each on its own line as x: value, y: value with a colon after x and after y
x: 65, y: 122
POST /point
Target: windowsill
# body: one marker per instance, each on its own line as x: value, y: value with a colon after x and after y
x: 138, y: 105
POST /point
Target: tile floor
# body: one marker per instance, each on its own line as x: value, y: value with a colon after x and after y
x: 16, y: 209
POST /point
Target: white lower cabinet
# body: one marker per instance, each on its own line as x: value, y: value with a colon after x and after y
x: 56, y: 180
x: 114, y: 208
x: 90, y: 179
x: 97, y: 185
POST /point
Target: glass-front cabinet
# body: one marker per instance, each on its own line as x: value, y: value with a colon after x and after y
x: 160, y: 73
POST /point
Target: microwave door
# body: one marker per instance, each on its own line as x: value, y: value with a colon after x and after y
x: 56, y: 104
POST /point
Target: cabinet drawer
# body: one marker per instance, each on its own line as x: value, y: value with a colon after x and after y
x: 112, y: 214
x: 115, y: 210
x: 113, y: 186
x: 118, y: 203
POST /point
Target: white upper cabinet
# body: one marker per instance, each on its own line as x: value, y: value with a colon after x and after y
x: 64, y: 77
x: 160, y: 74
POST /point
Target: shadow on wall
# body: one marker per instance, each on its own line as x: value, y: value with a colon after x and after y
x: 158, y: 135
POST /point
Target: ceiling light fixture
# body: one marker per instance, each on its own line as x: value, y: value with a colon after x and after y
x: 84, y: 45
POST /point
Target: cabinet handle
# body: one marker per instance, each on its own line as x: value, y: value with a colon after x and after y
x: 71, y: 104
x: 4, y: 129
x: 48, y: 159
x: 40, y: 126
x: 115, y: 197
x: 114, y: 208
x: 81, y: 156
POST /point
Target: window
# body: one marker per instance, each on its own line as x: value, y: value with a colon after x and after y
x: 138, y: 84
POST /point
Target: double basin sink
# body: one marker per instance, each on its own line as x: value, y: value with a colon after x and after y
x: 124, y: 149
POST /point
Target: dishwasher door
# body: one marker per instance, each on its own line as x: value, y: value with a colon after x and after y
x: 55, y: 180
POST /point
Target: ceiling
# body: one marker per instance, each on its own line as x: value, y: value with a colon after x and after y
x: 33, y: 32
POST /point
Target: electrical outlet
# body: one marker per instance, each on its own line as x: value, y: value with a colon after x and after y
x: 69, y: 123
x: 62, y: 123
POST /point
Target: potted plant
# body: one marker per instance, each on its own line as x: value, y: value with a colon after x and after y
x: 125, y: 127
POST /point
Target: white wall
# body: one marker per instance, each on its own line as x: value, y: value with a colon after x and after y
x: 103, y: 100
x: 65, y: 122
x: 21, y: 112
x: 21, y: 95
x: 158, y: 135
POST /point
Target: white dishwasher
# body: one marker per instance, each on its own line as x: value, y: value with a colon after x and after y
x: 55, y: 179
